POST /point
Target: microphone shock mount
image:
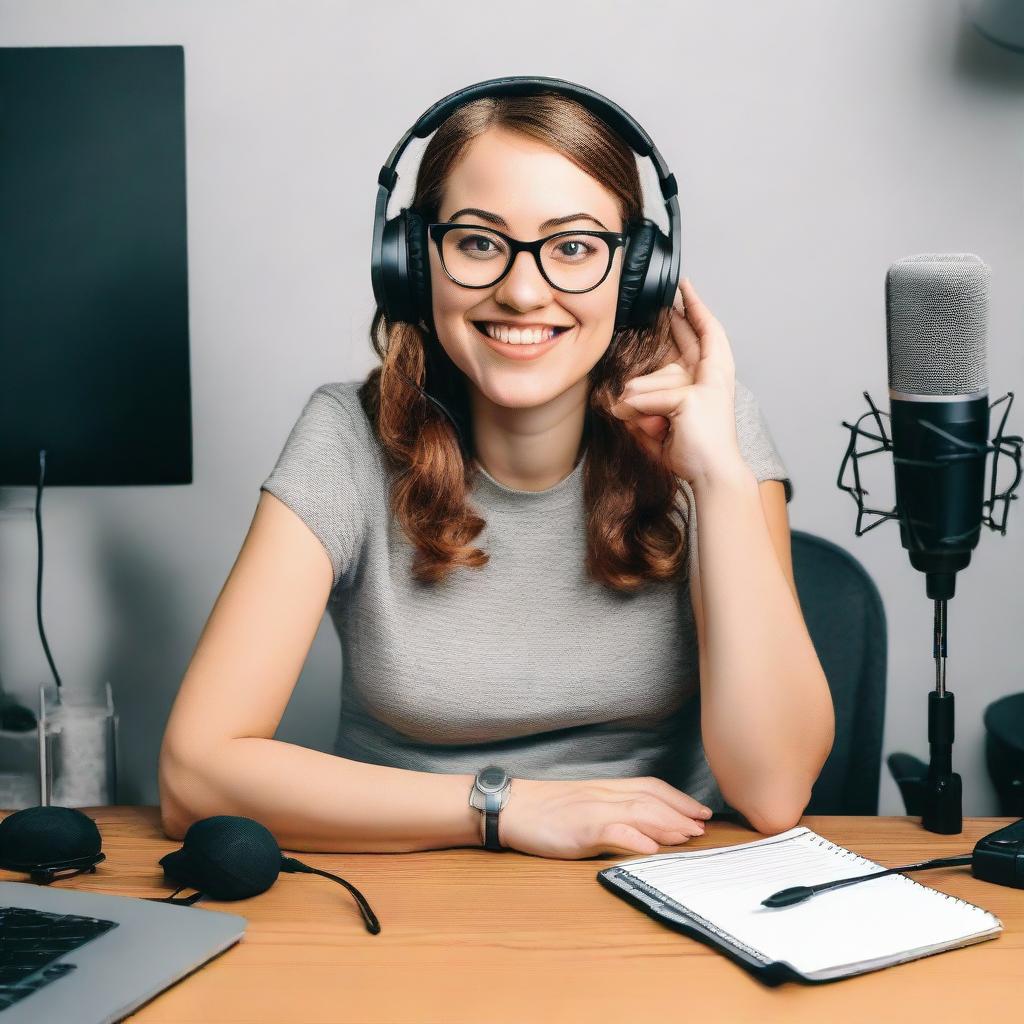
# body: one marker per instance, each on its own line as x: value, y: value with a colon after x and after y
x: 938, y: 794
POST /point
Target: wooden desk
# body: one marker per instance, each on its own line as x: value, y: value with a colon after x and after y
x: 470, y: 935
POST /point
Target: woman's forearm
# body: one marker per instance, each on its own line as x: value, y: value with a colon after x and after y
x: 766, y: 710
x: 312, y: 800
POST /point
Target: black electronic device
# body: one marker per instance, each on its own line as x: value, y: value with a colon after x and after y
x: 936, y: 308
x: 999, y: 856
x: 94, y: 340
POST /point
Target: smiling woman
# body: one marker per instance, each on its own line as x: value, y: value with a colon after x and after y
x: 527, y: 202
x: 518, y: 584
x: 497, y: 176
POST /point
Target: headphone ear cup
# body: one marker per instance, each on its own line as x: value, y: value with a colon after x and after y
x: 391, y: 285
x: 635, y: 263
x: 417, y: 245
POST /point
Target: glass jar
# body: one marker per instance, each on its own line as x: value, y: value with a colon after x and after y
x: 77, y: 748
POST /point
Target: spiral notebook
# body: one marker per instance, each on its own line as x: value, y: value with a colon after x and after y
x: 715, y: 897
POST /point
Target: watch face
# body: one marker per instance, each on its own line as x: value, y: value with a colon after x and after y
x: 492, y: 778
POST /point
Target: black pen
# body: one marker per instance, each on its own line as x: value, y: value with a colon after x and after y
x: 799, y: 893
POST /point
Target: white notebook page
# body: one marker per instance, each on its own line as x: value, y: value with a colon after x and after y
x: 851, y: 925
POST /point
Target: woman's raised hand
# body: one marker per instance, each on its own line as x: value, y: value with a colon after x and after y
x: 683, y: 414
x: 570, y: 820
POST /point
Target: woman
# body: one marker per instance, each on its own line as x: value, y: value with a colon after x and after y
x: 531, y: 596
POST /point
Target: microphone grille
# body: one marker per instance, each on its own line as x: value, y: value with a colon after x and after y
x: 936, y: 310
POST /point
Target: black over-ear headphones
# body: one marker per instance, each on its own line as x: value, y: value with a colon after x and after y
x: 400, y: 264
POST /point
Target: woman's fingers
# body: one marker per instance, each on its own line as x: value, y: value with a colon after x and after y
x: 654, y: 818
x: 669, y: 813
x: 659, y: 402
x: 715, y: 349
x: 649, y: 811
x: 685, y: 338
x: 697, y: 313
x: 671, y: 375
x: 618, y: 837
x: 640, y: 819
x: 653, y: 786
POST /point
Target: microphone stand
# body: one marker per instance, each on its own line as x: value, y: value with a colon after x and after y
x: 942, y: 805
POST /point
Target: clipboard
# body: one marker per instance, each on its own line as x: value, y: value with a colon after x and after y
x: 806, y: 851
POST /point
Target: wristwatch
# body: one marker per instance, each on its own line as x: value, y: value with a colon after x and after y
x: 491, y: 790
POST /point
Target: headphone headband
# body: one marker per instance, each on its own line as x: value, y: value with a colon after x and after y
x: 530, y: 85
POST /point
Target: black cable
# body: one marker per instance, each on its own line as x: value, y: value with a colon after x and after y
x: 799, y: 893
x: 184, y: 901
x: 369, y: 917
x: 39, y: 571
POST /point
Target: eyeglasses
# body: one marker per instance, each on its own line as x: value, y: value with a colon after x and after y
x: 570, y: 261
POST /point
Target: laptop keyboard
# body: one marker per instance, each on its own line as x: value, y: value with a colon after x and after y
x: 31, y: 943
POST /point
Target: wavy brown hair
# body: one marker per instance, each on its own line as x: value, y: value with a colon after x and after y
x: 634, y: 530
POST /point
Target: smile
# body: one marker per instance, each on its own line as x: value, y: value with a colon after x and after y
x: 527, y: 344
x: 519, y: 335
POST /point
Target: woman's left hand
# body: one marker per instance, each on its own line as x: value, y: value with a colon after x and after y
x: 683, y: 414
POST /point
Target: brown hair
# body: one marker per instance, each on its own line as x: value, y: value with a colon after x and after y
x: 633, y: 529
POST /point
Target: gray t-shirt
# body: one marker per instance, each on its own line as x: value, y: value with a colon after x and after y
x: 526, y: 662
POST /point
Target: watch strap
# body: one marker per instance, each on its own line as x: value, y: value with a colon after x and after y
x: 492, y: 807
x: 492, y: 803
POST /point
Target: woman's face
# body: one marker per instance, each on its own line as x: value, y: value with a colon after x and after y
x: 524, y: 183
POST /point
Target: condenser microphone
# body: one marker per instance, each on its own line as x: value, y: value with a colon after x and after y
x: 936, y: 309
x: 936, y: 312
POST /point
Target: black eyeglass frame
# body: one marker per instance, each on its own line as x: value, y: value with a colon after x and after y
x: 613, y: 239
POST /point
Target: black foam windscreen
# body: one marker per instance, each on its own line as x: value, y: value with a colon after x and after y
x: 42, y: 840
x: 230, y: 857
x: 936, y: 307
x: 226, y: 857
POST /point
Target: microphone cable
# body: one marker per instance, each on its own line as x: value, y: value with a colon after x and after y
x: 39, y: 569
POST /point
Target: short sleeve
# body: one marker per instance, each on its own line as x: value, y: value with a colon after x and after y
x: 755, y: 440
x: 319, y: 473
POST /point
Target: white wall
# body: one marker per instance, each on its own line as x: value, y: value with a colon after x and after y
x: 814, y: 143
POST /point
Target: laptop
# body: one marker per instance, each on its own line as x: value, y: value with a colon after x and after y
x: 69, y: 955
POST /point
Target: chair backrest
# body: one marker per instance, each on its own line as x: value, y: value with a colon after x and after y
x: 846, y: 620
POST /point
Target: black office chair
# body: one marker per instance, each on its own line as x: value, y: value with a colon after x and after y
x: 846, y: 620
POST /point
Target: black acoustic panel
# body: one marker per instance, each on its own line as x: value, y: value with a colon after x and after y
x: 94, y: 350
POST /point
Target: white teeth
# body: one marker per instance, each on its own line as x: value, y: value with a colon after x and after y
x: 519, y: 336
